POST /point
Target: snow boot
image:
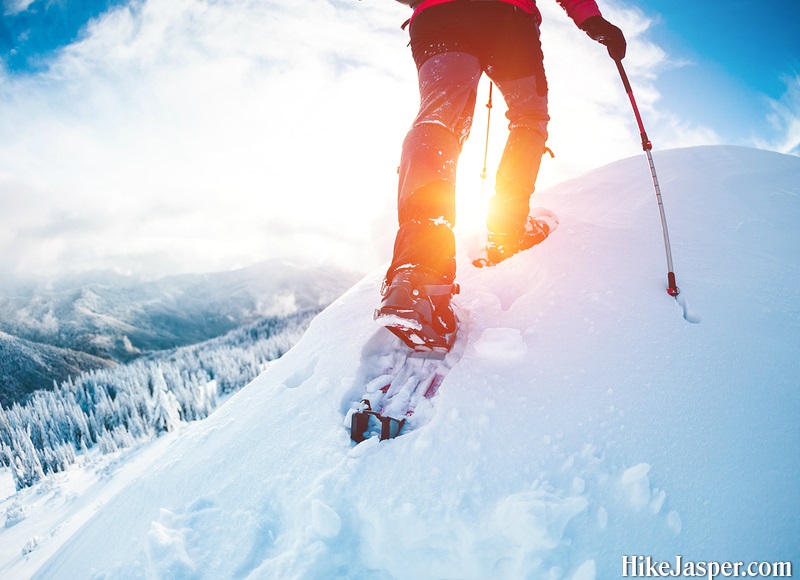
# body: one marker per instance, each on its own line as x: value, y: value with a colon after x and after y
x: 501, y: 246
x: 416, y: 308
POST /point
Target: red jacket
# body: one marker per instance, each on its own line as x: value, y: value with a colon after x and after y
x: 578, y: 10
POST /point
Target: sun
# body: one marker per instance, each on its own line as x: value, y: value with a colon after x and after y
x: 472, y: 201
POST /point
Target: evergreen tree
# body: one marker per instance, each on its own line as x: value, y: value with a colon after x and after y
x: 25, y: 465
x: 166, y: 414
x: 114, y: 407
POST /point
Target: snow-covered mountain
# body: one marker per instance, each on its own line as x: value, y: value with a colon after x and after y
x: 24, y: 364
x: 101, y: 315
x: 590, y: 417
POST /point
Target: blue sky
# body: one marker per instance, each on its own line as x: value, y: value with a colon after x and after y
x: 739, y: 53
x: 167, y: 136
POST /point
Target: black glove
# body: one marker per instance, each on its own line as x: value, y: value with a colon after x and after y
x: 601, y: 30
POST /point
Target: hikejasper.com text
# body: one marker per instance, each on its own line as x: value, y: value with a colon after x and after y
x: 647, y: 567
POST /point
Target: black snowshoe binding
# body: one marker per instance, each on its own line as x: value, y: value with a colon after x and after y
x: 501, y: 246
x: 416, y: 308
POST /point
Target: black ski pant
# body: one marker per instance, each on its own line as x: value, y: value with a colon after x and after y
x: 453, y: 44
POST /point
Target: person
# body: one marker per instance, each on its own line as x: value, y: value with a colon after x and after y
x: 454, y: 42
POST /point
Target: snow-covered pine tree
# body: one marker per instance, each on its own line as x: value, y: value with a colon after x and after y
x: 25, y: 465
x: 166, y: 412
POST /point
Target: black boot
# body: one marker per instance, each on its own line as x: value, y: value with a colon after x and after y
x: 416, y: 308
x: 501, y: 246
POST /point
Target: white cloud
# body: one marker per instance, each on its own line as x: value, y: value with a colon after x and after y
x: 209, y: 134
x: 12, y: 7
x: 784, y: 119
x: 190, y: 135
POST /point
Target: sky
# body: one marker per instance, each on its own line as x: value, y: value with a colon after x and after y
x: 157, y: 137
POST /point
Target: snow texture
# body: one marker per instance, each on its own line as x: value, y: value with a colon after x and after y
x: 590, y: 416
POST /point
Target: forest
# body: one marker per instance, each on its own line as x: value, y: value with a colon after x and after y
x: 114, y: 408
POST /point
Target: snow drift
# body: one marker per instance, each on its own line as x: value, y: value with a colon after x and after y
x: 590, y: 417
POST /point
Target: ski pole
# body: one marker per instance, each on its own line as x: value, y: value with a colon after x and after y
x: 486, y: 147
x: 672, y: 288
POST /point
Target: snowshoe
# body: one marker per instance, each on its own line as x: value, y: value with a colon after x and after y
x: 416, y: 308
x: 361, y: 421
x: 501, y: 246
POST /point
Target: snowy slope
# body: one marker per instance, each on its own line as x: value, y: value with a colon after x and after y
x: 586, y: 420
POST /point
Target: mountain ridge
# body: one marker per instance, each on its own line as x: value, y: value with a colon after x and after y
x: 102, y: 316
x: 39, y: 365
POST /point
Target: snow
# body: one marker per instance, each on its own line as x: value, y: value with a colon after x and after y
x: 501, y: 344
x: 590, y: 416
x: 46, y: 515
